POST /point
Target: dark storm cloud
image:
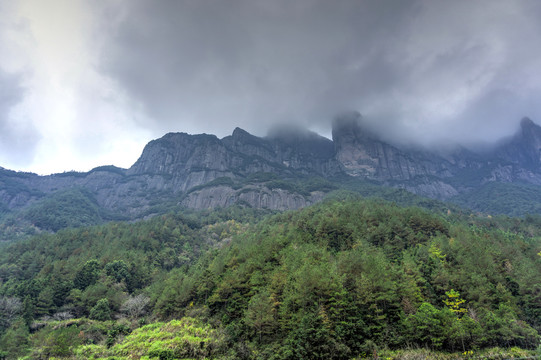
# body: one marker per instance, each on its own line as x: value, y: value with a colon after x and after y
x: 250, y: 63
x: 417, y: 70
x: 17, y: 140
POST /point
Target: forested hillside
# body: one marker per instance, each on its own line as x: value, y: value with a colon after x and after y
x: 77, y: 207
x: 503, y: 198
x: 346, y: 278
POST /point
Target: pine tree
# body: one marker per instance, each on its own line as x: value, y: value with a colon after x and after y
x: 260, y: 313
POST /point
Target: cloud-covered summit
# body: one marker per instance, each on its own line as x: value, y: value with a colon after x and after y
x: 116, y: 74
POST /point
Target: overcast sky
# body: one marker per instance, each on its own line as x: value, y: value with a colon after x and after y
x: 89, y: 82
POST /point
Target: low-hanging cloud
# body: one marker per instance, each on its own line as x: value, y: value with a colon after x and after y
x: 419, y: 70
x: 94, y: 81
x: 251, y: 63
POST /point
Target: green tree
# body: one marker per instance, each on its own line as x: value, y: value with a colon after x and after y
x: 52, y: 342
x: 15, y: 340
x: 118, y: 270
x: 429, y: 326
x: 88, y: 275
x: 44, y: 303
x: 28, y: 310
x: 313, y: 339
x: 102, y: 310
x: 260, y: 313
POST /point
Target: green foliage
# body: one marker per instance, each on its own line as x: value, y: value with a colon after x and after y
x: 15, y: 342
x: 297, y: 185
x: 9, y: 182
x: 101, y: 311
x: 55, y: 342
x: 118, y: 270
x: 62, y: 339
x: 354, y: 187
x: 260, y: 314
x: 313, y: 338
x: 88, y: 275
x: 177, y: 339
x: 369, y: 271
x: 258, y: 177
x: 116, y: 331
x: 73, y: 269
x: 316, y: 183
x: 285, y: 185
x: 502, y: 198
x: 69, y: 208
x: 340, y: 279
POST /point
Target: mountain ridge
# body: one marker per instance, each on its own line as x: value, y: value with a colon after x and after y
x: 203, y: 171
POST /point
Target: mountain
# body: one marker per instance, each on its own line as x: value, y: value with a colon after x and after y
x: 288, y: 169
x: 362, y: 154
x: 428, y: 173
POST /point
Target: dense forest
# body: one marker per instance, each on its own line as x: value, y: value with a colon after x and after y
x: 346, y: 278
x: 78, y: 207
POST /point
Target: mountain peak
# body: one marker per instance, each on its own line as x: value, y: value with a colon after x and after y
x: 525, y: 147
x: 239, y: 133
x: 526, y: 122
x: 530, y: 130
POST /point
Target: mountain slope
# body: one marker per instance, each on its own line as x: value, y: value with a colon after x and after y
x: 203, y: 171
x: 331, y: 281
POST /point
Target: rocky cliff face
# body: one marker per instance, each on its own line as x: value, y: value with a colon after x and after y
x: 177, y: 162
x: 361, y: 154
x: 259, y: 197
x: 202, y: 171
x: 172, y: 165
x: 524, y: 149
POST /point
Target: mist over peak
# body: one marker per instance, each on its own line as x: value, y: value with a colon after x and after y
x: 421, y: 72
x: 526, y: 122
x: 401, y: 135
x: 347, y: 119
x: 290, y: 132
x: 354, y: 122
x: 397, y: 134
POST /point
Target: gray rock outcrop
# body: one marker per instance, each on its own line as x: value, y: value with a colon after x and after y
x: 203, y: 171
